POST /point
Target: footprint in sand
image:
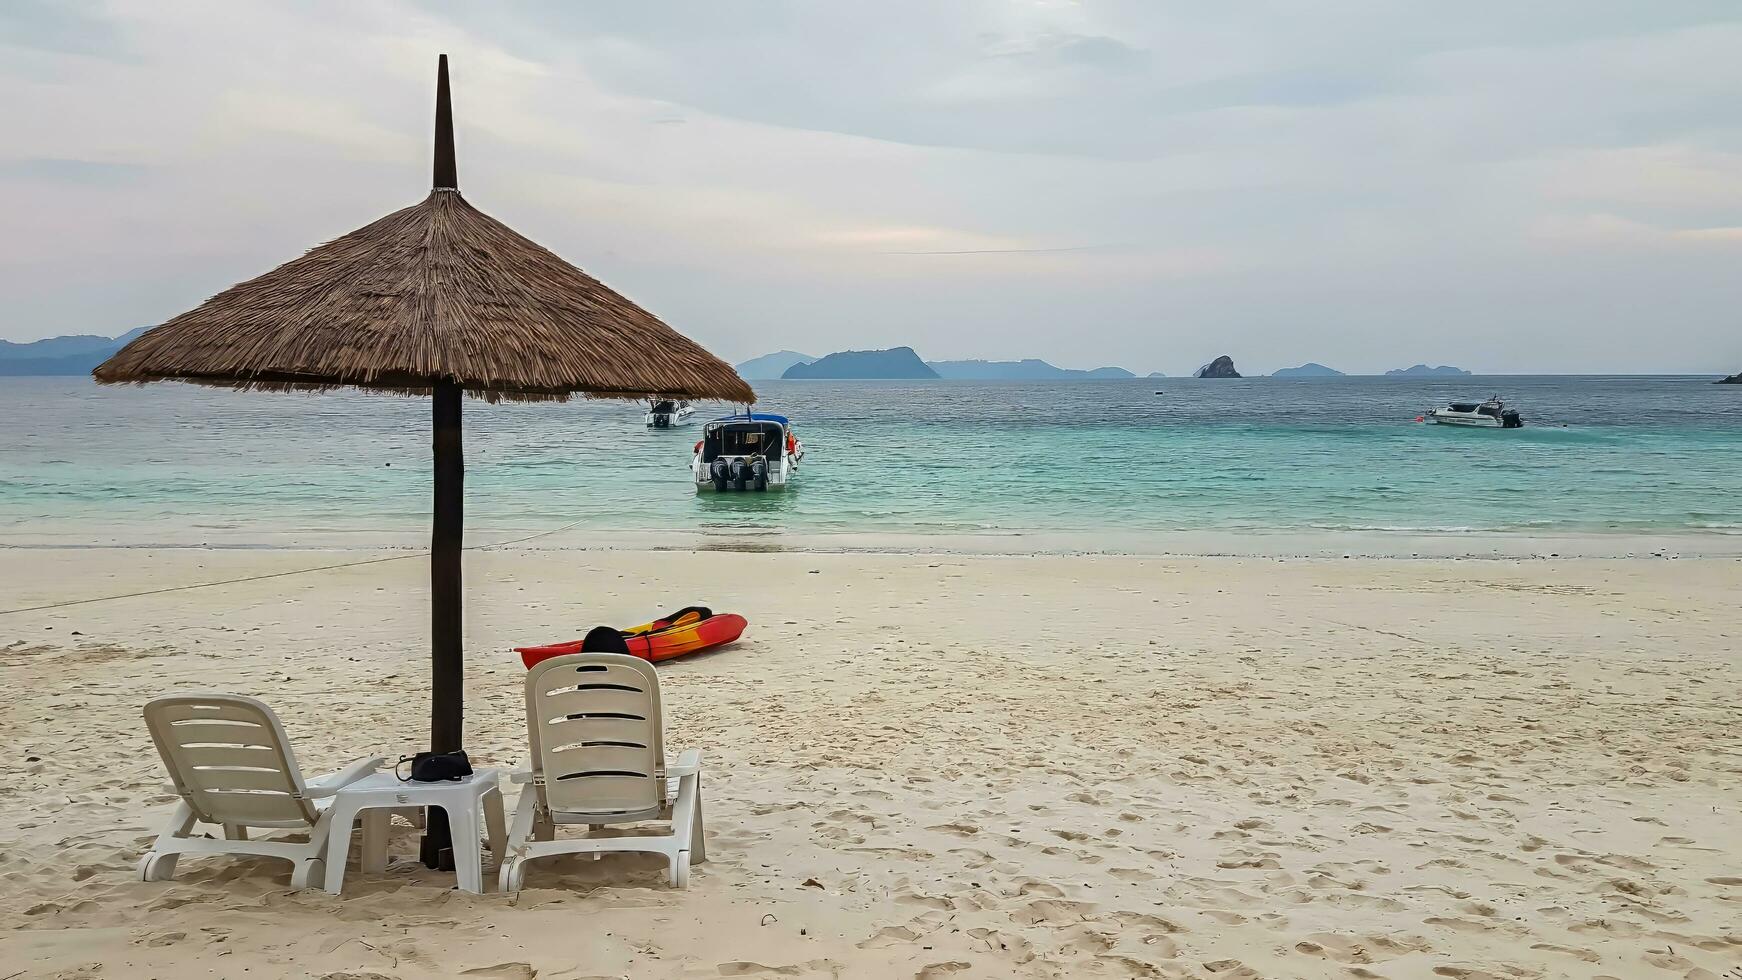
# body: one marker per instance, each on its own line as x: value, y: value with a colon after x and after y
x: 1334, y: 947
x: 1459, y: 925
x: 1583, y: 954
x: 1357, y: 901
x: 976, y: 858
x: 746, y: 968
x: 1263, y: 860
x: 503, y: 971
x: 851, y: 815
x: 1143, y: 920
x: 838, y: 834
x: 1058, y: 911
x: 1081, y: 856
x: 889, y: 936
x: 1087, y: 942
x: 1626, y: 862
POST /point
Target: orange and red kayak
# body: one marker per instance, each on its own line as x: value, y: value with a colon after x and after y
x: 687, y: 631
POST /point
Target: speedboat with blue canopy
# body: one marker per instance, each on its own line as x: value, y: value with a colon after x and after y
x: 748, y: 451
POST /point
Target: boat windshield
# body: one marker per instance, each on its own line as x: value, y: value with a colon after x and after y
x: 661, y: 406
x: 1465, y: 407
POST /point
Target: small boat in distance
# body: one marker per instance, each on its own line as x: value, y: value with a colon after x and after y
x: 752, y: 451
x: 664, y: 413
x: 1491, y: 414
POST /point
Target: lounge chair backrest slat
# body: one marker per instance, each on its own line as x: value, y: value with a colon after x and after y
x: 597, y: 734
x: 230, y: 760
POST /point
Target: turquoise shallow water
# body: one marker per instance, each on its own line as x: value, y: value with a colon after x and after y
x: 177, y: 464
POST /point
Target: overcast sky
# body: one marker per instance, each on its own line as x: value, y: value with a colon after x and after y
x: 1553, y: 185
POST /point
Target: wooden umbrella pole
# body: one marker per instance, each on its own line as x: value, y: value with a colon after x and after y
x: 447, y: 658
x: 447, y: 661
x: 447, y: 667
x: 447, y: 664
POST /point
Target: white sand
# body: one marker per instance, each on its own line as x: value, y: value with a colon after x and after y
x: 986, y: 767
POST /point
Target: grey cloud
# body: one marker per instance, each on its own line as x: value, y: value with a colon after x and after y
x: 60, y: 26
x: 1094, y: 50
x: 72, y: 171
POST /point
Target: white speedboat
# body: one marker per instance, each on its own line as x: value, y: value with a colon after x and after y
x: 753, y: 451
x: 664, y: 413
x: 1491, y: 414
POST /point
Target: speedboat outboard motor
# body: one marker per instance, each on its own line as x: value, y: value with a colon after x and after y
x: 1510, y: 419
x: 718, y: 473
x: 661, y: 420
x: 759, y: 474
x: 740, y: 472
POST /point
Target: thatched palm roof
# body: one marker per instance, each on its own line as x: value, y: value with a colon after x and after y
x: 439, y: 291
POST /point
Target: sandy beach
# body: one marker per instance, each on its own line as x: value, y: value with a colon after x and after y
x: 936, y: 766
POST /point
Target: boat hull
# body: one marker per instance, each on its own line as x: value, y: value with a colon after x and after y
x: 707, y: 486
x: 779, y: 477
x: 669, y: 420
x: 1472, y: 423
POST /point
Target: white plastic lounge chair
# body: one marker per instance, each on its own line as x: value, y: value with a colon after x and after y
x: 231, y: 764
x: 598, y: 758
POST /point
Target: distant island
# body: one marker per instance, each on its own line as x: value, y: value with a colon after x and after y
x: 1155, y: 374
x: 60, y: 356
x: 1028, y: 369
x: 1221, y: 367
x: 1423, y: 371
x: 771, y: 366
x: 1311, y: 369
x: 894, y: 363
x: 903, y: 362
x: 1734, y: 379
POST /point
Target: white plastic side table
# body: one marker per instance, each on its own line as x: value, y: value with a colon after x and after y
x: 376, y: 796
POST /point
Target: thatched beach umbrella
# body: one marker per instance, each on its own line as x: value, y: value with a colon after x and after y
x: 435, y: 299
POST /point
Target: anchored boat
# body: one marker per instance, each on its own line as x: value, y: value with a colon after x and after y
x: 752, y: 451
x: 664, y: 413
x: 1491, y: 414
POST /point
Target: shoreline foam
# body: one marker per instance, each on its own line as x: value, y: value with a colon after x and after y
x: 1387, y: 544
